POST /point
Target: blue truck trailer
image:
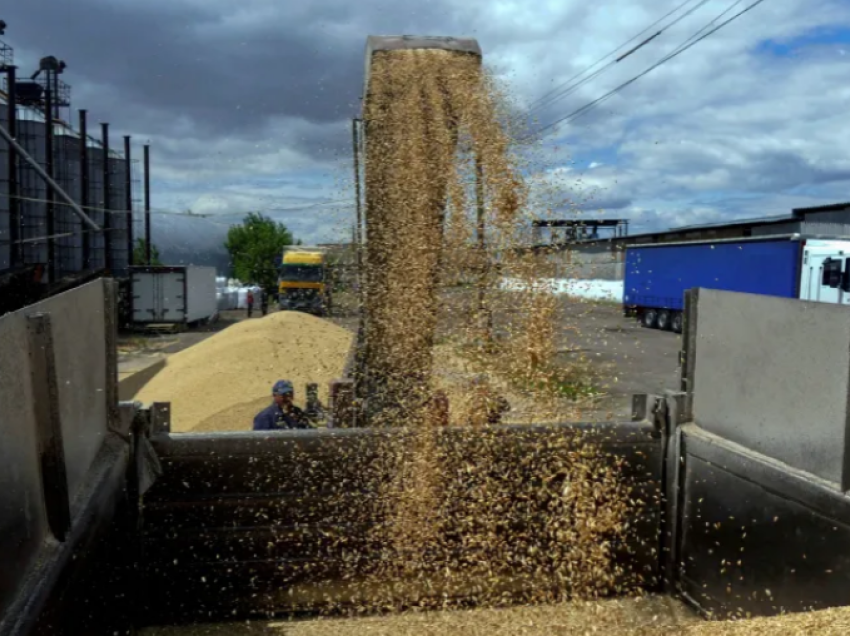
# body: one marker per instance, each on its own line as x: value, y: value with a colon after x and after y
x: 790, y: 266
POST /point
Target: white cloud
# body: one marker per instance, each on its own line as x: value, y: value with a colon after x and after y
x: 720, y: 131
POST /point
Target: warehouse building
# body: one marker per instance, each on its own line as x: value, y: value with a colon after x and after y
x: 603, y: 257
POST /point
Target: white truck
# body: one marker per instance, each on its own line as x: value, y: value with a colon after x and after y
x: 184, y: 294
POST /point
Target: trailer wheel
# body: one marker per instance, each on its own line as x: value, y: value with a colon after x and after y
x: 650, y: 318
x: 663, y: 320
x: 677, y: 321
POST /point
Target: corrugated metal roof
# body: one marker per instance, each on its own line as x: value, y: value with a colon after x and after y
x: 821, y: 208
x: 765, y: 220
x: 780, y: 218
x: 797, y: 215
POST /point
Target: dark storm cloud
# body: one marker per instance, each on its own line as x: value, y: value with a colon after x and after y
x: 784, y: 169
x: 222, y: 72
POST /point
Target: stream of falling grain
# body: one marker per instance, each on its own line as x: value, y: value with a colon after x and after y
x: 471, y: 516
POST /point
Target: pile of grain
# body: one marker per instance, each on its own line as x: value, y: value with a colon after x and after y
x: 657, y: 616
x: 221, y: 383
x: 613, y: 617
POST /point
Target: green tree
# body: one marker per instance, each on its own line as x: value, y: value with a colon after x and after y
x: 255, y: 247
x: 140, y: 254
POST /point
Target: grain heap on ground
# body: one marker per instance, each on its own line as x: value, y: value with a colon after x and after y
x: 611, y: 618
x: 638, y: 617
x: 222, y: 382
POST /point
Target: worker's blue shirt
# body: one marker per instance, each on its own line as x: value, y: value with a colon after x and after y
x: 273, y: 418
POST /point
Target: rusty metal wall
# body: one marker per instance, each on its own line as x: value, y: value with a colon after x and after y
x: 755, y: 536
x: 248, y: 523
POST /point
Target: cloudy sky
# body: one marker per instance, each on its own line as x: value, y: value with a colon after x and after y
x: 247, y: 105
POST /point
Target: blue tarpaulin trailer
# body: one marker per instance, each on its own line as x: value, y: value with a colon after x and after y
x: 791, y: 266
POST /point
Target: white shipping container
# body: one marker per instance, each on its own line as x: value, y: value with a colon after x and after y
x: 184, y: 294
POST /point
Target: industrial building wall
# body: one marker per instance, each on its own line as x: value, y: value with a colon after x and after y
x: 118, y: 217
x: 69, y: 249
x: 793, y: 227
x: 97, y: 241
x: 597, y: 261
x: 830, y: 222
x: 32, y: 189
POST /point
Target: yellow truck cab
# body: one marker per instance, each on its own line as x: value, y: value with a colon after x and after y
x: 302, y: 280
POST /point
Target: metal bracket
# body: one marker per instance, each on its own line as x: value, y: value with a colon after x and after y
x: 146, y: 466
x: 652, y: 409
x: 123, y: 425
x: 160, y: 418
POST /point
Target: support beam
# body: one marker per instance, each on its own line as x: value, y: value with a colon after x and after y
x: 4, y: 133
x: 51, y: 199
x: 147, y: 165
x: 14, y: 202
x: 108, y: 235
x: 128, y: 198
x: 84, y: 183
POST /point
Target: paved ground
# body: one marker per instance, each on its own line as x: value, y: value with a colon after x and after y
x: 631, y: 359
x: 138, y: 351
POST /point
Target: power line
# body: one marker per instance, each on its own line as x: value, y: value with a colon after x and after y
x: 308, y: 207
x: 568, y: 88
x: 166, y: 212
x: 97, y: 209
x: 691, y: 41
x: 716, y: 18
x: 53, y: 237
x: 544, y: 97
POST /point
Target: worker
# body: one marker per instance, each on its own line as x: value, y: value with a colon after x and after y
x: 250, y: 301
x: 264, y: 302
x: 283, y: 414
x: 488, y: 406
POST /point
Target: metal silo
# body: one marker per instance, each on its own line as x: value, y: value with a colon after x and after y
x: 97, y: 241
x: 5, y: 207
x: 68, y: 227
x: 32, y: 189
x: 118, y: 215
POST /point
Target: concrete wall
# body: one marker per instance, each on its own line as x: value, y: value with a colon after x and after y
x: 23, y: 521
x: 599, y: 261
x: 79, y: 328
x: 772, y: 375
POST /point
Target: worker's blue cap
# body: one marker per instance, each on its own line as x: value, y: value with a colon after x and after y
x: 283, y: 387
